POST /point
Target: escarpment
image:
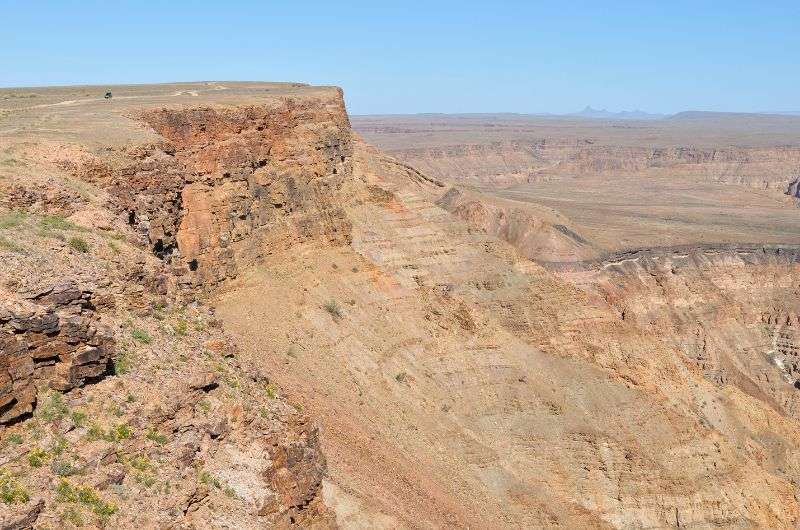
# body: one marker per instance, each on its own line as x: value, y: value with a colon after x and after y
x: 513, y: 162
x: 238, y: 268
x: 121, y: 404
x: 732, y: 312
x: 232, y: 184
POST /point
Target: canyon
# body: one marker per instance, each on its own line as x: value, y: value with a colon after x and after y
x: 223, y: 305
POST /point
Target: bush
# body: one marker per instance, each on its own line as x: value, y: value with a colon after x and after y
x: 11, y: 491
x: 11, y: 246
x: 54, y: 408
x: 181, y: 327
x: 86, y: 495
x: 141, y: 335
x: 122, y: 361
x: 79, y: 245
x: 155, y: 436
x: 62, y: 468
x: 333, y: 308
x: 37, y: 457
x: 114, y: 434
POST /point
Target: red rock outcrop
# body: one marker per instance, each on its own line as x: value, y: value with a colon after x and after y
x: 230, y: 184
x: 53, y: 343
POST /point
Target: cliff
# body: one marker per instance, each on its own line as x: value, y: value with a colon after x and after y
x: 123, y: 404
x: 221, y: 308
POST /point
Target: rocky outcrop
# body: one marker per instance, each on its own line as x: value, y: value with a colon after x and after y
x: 512, y: 162
x: 537, y: 233
x: 230, y: 184
x: 794, y: 188
x: 53, y: 343
x: 731, y: 311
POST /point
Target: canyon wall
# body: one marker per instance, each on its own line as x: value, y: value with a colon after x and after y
x: 508, y: 163
x: 111, y: 383
x: 230, y: 184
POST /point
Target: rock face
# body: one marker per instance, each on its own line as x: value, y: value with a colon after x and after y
x: 52, y: 343
x: 463, y: 385
x: 231, y: 184
x: 537, y: 233
x: 759, y: 152
x: 794, y: 188
x: 126, y: 406
x: 458, y: 383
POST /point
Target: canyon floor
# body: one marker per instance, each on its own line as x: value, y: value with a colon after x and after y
x: 223, y: 306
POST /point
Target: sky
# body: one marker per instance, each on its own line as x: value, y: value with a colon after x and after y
x: 409, y: 56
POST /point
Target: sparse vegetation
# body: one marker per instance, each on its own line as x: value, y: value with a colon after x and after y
x: 78, y: 418
x: 56, y: 222
x: 59, y: 445
x: 157, y: 437
x: 114, y: 434
x: 181, y: 327
x: 140, y: 463
x: 73, y: 515
x: 271, y: 390
x: 333, y: 309
x: 79, y: 244
x: 37, y: 457
x: 401, y: 377
x: 208, y: 479
x: 12, y: 219
x: 11, y: 246
x: 53, y: 408
x: 11, y: 491
x: 85, y: 495
x: 63, y: 468
x: 141, y: 336
x: 122, y: 361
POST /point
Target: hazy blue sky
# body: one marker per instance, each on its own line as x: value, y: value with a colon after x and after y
x: 429, y: 56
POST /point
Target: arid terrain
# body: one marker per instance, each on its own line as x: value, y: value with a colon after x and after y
x: 223, y: 306
x: 690, y: 178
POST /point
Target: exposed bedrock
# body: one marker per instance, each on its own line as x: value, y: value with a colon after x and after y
x: 50, y: 341
x: 733, y: 312
x: 230, y: 184
x: 537, y: 232
x: 506, y: 163
x: 794, y: 188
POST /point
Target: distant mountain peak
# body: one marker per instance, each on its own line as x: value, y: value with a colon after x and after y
x: 590, y: 112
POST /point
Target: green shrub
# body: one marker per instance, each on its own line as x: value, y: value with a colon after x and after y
x: 210, y: 480
x: 54, y: 408
x: 141, y: 335
x: 85, y: 495
x: 14, y: 438
x: 181, y: 327
x: 56, y: 222
x: 37, y: 457
x: 333, y: 308
x: 155, y: 436
x: 78, y: 418
x: 74, y: 516
x: 122, y: 361
x: 78, y: 244
x: 11, y: 246
x: 114, y: 434
x: 271, y: 390
x: 59, y: 445
x: 11, y: 491
x: 63, y: 468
